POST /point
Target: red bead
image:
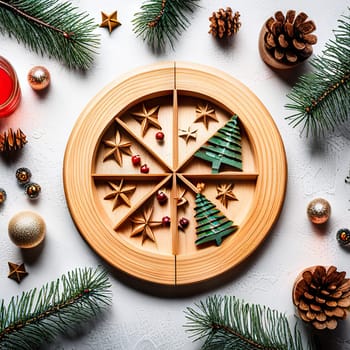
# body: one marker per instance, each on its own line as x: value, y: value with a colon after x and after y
x: 159, y: 136
x: 136, y: 159
x: 161, y: 197
x: 183, y: 223
x: 166, y: 220
x: 144, y: 169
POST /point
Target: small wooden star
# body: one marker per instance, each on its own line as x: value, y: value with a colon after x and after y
x: 182, y: 200
x: 225, y: 194
x: 17, y: 272
x: 143, y: 225
x: 147, y: 118
x: 117, y: 148
x: 188, y: 134
x: 206, y: 113
x: 110, y: 21
x: 120, y: 194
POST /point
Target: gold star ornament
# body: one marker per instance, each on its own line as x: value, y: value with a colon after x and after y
x: 17, y: 272
x: 225, y: 194
x: 142, y: 225
x: 110, y: 21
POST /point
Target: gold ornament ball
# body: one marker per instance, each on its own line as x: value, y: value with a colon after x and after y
x: 27, y: 229
x: 39, y: 78
x: 319, y: 211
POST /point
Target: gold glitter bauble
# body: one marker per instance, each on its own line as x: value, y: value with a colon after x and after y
x: 27, y: 229
x: 39, y: 78
x: 319, y: 211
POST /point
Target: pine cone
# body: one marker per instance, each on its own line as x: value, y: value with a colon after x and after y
x: 12, y: 140
x: 322, y: 296
x: 224, y: 23
x: 288, y: 38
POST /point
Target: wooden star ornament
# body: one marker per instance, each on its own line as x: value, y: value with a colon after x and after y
x: 142, y: 225
x: 120, y: 194
x: 225, y: 194
x: 205, y: 113
x: 118, y: 147
x: 110, y: 21
x: 188, y: 134
x: 147, y: 118
x: 17, y: 272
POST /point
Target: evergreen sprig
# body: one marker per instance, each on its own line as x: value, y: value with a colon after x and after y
x: 228, y: 323
x: 49, y: 27
x: 161, y: 22
x: 36, y: 317
x: 321, y: 98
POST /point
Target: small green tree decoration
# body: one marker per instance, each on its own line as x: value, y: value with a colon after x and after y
x: 52, y: 28
x: 321, y: 99
x: 37, y: 317
x: 224, y: 148
x: 212, y: 225
x: 227, y: 323
x: 161, y: 22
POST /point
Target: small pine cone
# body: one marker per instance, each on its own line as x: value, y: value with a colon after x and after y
x: 322, y: 296
x: 12, y: 140
x: 288, y: 38
x: 224, y: 23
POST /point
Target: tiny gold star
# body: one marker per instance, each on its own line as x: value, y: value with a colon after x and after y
x: 205, y: 113
x: 110, y: 21
x: 188, y: 134
x: 17, y: 272
x: 143, y: 225
x: 147, y: 118
x: 120, y: 194
x: 117, y: 148
x: 225, y: 194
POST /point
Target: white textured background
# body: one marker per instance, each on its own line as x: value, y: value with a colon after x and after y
x: 144, y: 318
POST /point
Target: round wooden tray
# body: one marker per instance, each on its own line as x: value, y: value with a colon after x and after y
x: 110, y: 199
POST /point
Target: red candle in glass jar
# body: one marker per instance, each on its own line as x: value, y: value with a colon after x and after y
x: 10, y: 92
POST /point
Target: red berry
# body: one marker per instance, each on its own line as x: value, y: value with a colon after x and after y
x: 161, y: 197
x: 166, y: 220
x: 159, y: 136
x: 183, y: 223
x: 144, y: 169
x: 136, y: 159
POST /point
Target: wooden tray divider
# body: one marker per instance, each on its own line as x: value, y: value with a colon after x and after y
x: 135, y: 177
x: 175, y: 131
x: 137, y: 205
x: 188, y: 183
x: 224, y: 176
x: 173, y: 215
x: 143, y: 144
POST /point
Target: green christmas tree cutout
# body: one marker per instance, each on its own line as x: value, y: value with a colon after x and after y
x: 212, y: 224
x: 224, y: 148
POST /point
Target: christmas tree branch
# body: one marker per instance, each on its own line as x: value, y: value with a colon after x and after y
x: 162, y: 21
x: 52, y: 28
x: 228, y: 323
x: 34, y: 318
x: 321, y: 98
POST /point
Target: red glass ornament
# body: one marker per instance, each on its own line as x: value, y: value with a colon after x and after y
x: 183, y: 223
x: 160, y: 136
x: 166, y: 220
x: 144, y: 169
x: 136, y: 159
x: 10, y: 92
x: 161, y: 197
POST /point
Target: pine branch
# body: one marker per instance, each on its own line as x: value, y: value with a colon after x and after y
x: 161, y: 22
x: 321, y: 98
x: 228, y: 323
x: 36, y: 317
x: 52, y: 28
